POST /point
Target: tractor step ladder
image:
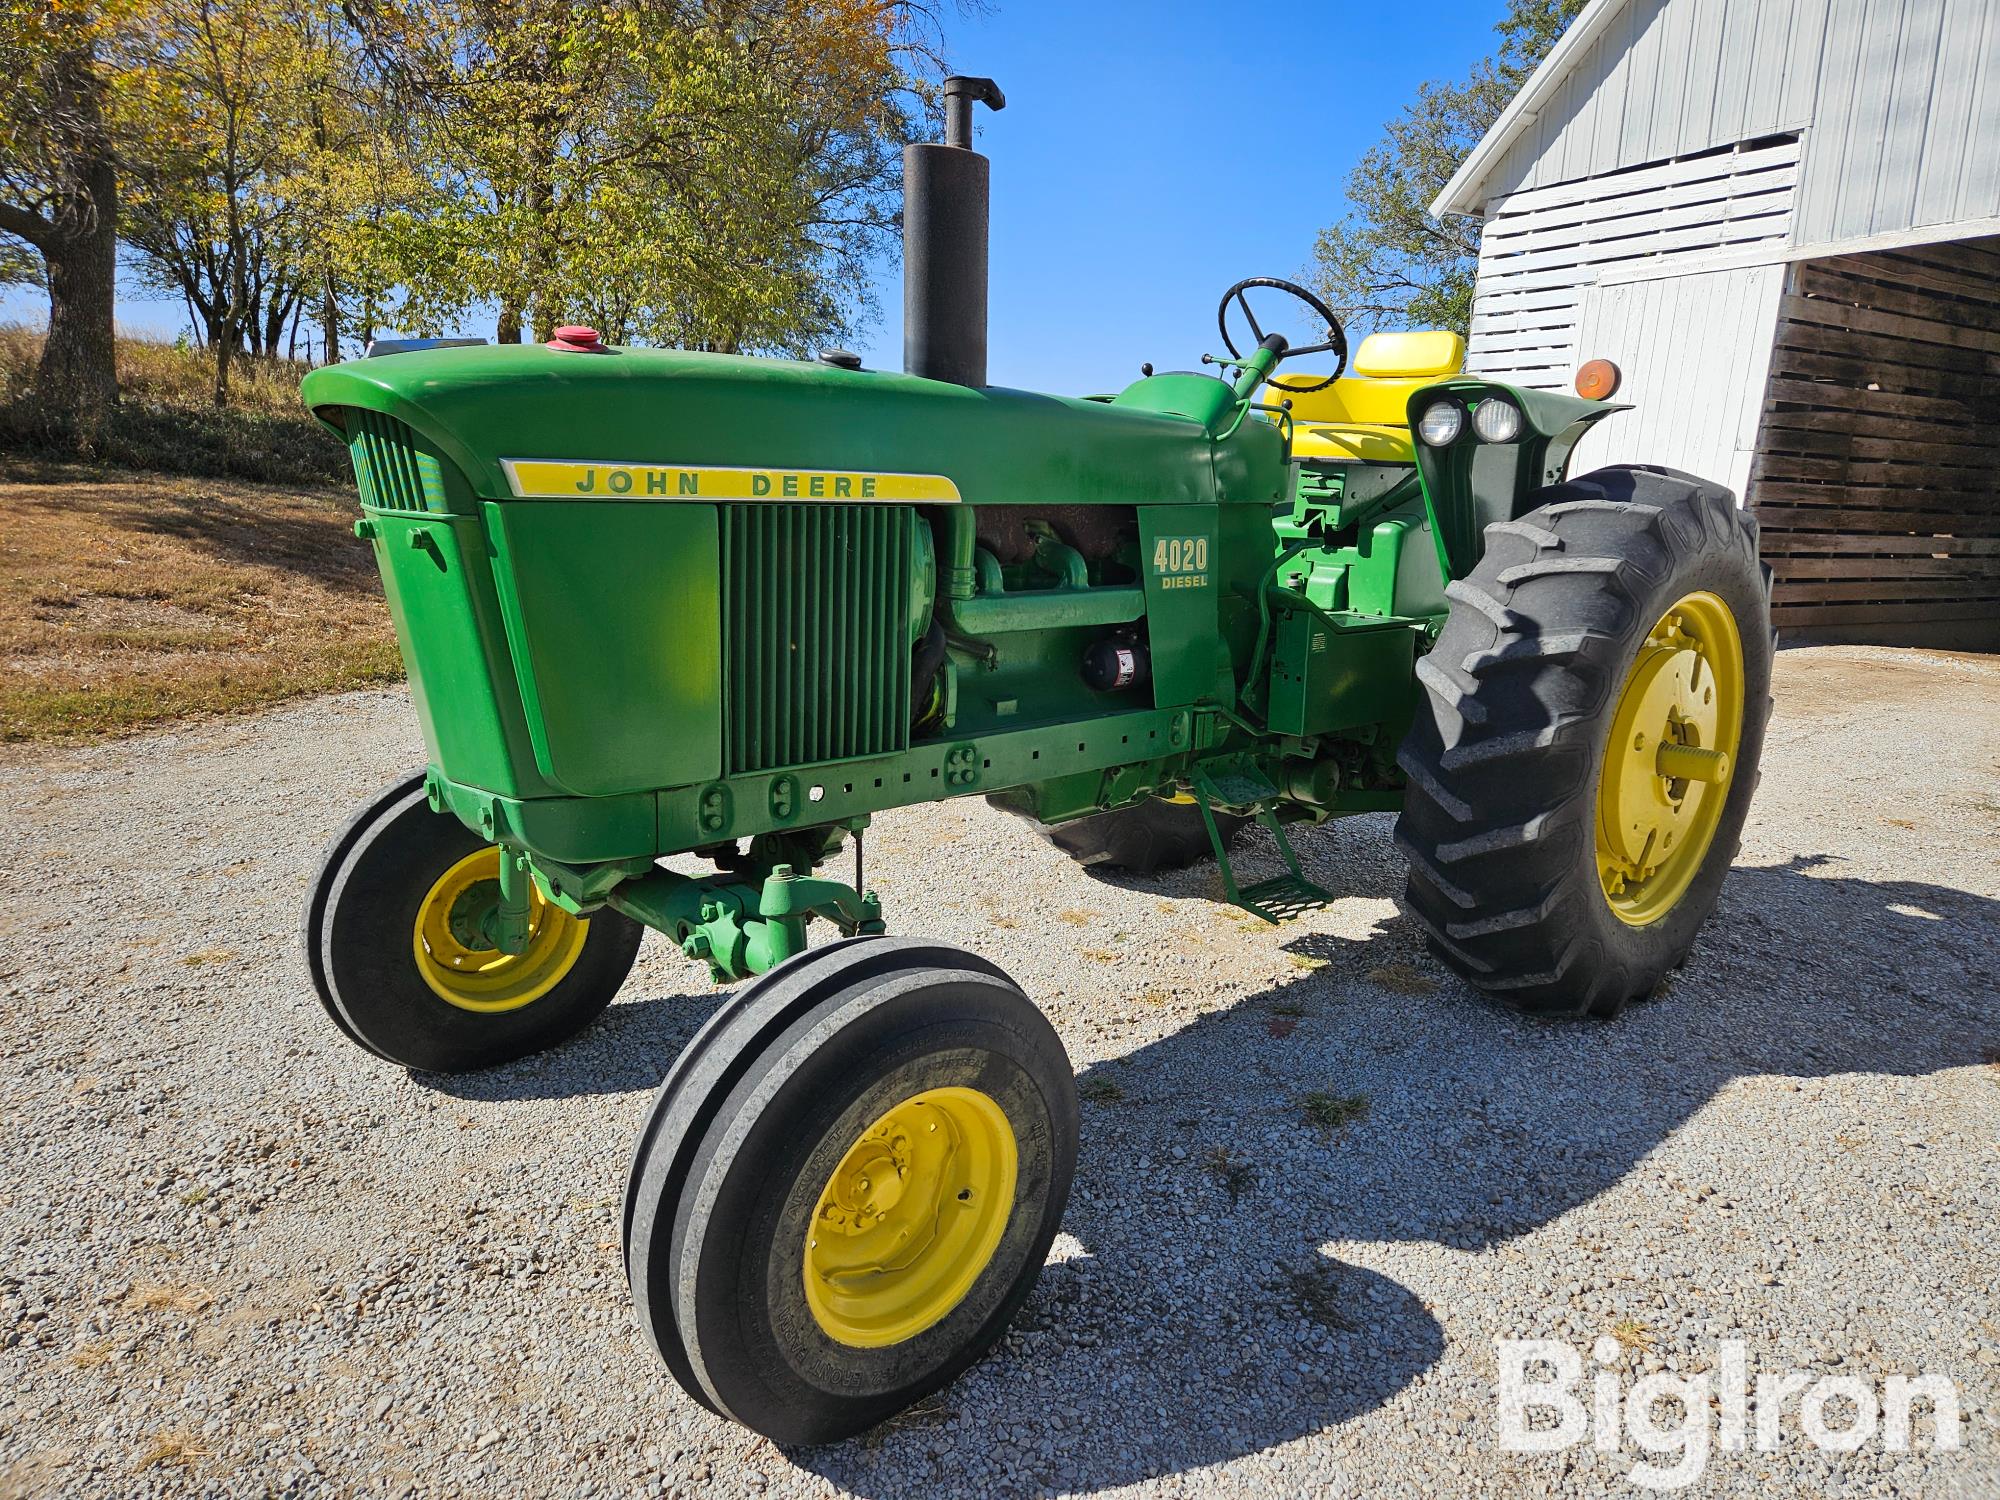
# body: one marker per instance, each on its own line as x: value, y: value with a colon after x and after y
x: 1282, y: 896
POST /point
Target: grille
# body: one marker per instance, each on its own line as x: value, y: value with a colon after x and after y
x: 389, y: 471
x: 816, y: 651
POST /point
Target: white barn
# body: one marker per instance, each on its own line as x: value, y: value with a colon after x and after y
x: 1781, y: 219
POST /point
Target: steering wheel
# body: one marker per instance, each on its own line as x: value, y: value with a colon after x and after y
x: 1336, y: 336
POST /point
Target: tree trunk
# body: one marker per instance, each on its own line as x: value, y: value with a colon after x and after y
x: 225, y: 351
x: 508, y: 329
x: 79, y: 370
x: 329, y: 319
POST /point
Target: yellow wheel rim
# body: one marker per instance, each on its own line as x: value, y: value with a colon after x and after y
x: 910, y: 1217
x: 1670, y: 759
x: 458, y: 959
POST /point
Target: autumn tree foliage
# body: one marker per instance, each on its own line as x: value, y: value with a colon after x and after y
x: 707, y: 173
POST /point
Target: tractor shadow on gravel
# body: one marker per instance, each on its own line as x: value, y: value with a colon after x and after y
x: 1379, y: 1108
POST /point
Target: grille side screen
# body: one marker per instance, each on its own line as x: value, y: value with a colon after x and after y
x: 815, y: 641
x: 389, y: 471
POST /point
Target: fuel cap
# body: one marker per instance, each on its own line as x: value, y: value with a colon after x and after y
x: 577, y: 339
x: 840, y: 359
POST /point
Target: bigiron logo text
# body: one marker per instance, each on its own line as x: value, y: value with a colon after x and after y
x: 1545, y: 1406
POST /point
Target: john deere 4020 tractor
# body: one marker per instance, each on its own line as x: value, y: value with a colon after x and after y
x: 656, y: 603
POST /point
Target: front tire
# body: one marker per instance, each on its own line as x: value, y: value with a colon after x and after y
x: 1582, y: 761
x: 401, y: 964
x: 848, y: 1184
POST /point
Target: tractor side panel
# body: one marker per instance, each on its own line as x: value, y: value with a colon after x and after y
x: 614, y: 615
x: 1181, y: 562
x: 1326, y: 678
x: 441, y: 598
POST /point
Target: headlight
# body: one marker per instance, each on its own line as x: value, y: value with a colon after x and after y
x: 1496, y: 420
x: 1441, y: 423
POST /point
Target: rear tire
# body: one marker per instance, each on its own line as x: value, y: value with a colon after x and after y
x: 1147, y: 838
x: 1514, y: 861
x: 375, y: 894
x: 821, y: 1071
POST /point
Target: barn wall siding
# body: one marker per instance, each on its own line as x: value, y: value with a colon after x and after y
x: 1694, y: 352
x: 1899, y: 102
x: 1877, y: 476
x: 1544, y: 249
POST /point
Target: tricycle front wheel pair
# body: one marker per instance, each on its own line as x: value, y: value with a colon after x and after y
x: 851, y: 1176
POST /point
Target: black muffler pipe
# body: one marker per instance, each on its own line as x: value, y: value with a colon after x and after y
x: 945, y: 192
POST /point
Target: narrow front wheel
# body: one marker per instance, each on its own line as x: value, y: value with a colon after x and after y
x: 399, y: 934
x: 848, y: 1184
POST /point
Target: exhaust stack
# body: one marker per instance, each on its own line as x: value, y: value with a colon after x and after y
x: 945, y: 191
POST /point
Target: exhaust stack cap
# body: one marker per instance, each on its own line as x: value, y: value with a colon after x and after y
x: 960, y: 94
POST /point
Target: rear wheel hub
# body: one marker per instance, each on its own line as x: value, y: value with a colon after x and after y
x: 1670, y: 758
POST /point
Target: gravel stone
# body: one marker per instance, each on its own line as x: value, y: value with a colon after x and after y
x: 239, y: 1256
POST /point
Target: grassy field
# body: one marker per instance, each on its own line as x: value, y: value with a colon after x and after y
x: 131, y: 597
x: 166, y: 421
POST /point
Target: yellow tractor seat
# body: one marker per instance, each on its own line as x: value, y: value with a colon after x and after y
x: 1365, y: 415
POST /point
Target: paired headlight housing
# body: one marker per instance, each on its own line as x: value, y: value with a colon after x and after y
x: 1495, y: 420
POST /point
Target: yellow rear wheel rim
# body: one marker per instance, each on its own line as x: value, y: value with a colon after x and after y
x: 1671, y: 758
x: 458, y: 959
x: 910, y: 1217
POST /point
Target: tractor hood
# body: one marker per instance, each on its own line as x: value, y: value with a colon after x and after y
x: 497, y: 412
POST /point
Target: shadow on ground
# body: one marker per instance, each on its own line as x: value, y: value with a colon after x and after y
x: 1202, y: 1322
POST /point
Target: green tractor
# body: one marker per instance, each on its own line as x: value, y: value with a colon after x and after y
x: 656, y: 603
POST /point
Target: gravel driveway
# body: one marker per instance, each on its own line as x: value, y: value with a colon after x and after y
x: 242, y: 1256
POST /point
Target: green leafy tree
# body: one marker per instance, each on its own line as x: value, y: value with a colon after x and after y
x: 1388, y: 263
x: 713, y: 175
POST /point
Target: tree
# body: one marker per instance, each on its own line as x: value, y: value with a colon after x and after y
x: 19, y: 265
x: 1388, y: 262
x: 68, y: 74
x: 205, y: 204
x: 713, y: 174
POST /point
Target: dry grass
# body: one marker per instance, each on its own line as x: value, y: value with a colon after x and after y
x: 167, y: 420
x: 1632, y: 1334
x: 1402, y: 979
x: 130, y: 599
x: 160, y: 1296
x: 95, y: 1355
x: 177, y: 1446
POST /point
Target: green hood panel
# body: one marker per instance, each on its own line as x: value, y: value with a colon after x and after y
x: 659, y: 406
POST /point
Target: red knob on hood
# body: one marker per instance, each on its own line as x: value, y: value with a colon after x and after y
x: 577, y: 339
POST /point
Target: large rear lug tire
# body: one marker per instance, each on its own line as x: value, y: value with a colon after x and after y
x: 1551, y: 867
x: 848, y: 1184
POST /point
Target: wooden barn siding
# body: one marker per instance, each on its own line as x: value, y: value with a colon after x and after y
x: 1899, y: 101
x: 1877, y: 474
x: 1542, y: 250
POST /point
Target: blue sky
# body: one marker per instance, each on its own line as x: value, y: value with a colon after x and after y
x: 1150, y: 154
